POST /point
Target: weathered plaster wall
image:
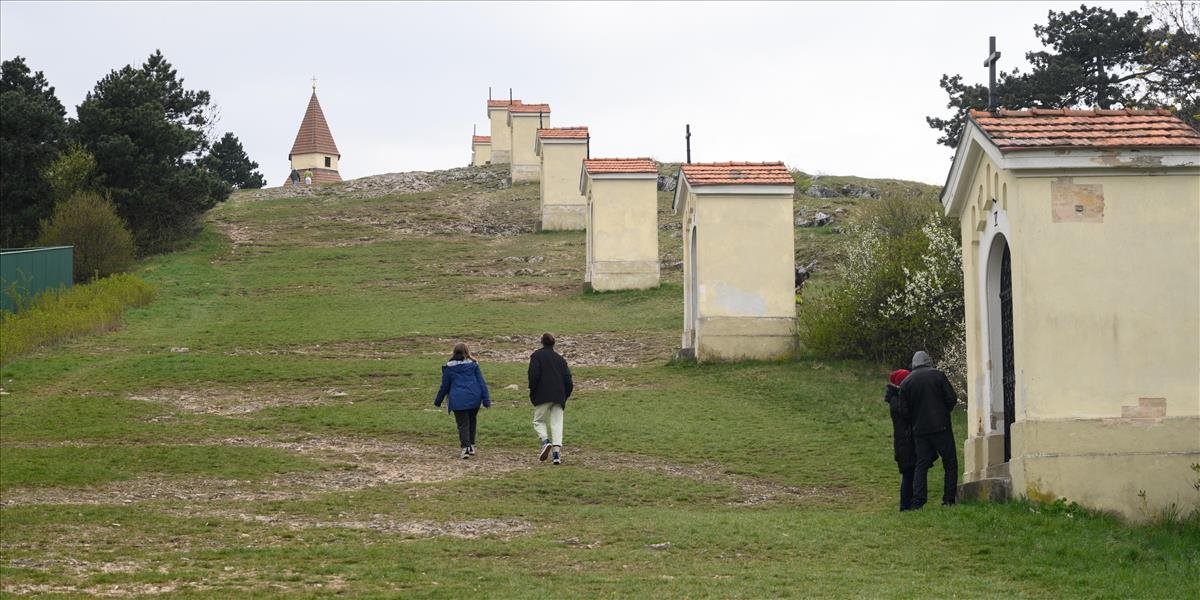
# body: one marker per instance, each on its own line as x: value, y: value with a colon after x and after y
x: 526, y: 166
x: 501, y: 136
x: 481, y: 154
x: 623, y: 234
x: 563, y: 205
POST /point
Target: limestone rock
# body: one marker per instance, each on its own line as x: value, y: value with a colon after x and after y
x: 819, y: 191
x: 860, y: 191
x: 666, y: 183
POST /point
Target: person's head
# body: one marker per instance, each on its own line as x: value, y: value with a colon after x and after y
x: 898, y: 376
x: 921, y: 359
x: 548, y: 340
x: 461, y: 352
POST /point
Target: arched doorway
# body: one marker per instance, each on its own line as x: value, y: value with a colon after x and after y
x: 1001, y: 359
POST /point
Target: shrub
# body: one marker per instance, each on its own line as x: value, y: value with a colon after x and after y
x: 61, y: 314
x: 89, y: 222
x: 73, y: 172
x: 900, y: 290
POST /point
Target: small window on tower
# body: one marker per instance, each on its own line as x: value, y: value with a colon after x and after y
x: 327, y: 161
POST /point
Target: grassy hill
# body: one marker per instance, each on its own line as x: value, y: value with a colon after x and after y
x: 265, y: 429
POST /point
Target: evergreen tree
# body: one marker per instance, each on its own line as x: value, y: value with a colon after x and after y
x: 32, y: 129
x: 147, y: 132
x: 228, y: 159
x: 1094, y: 57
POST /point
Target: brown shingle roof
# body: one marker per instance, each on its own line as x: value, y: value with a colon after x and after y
x: 1037, y: 129
x: 597, y: 166
x: 563, y: 133
x: 314, y: 136
x: 737, y: 173
x: 318, y: 176
x: 502, y: 103
x: 530, y: 108
x: 481, y: 139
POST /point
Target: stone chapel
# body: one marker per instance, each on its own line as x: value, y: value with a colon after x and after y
x: 314, y: 150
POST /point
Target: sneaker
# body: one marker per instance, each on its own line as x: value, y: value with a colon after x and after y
x: 557, y: 458
x: 471, y: 450
x: 546, y: 448
x: 466, y: 453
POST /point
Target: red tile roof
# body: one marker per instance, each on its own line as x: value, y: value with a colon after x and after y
x: 737, y: 173
x: 481, y: 139
x: 530, y: 108
x: 314, y: 136
x: 597, y: 166
x: 1038, y: 129
x: 563, y: 133
x: 501, y: 103
x: 318, y: 176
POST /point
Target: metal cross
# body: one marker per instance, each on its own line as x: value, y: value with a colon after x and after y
x: 990, y: 63
x: 314, y: 83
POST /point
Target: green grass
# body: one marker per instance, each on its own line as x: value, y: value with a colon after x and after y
x: 293, y: 449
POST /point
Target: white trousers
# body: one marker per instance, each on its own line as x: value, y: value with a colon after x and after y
x: 555, y: 412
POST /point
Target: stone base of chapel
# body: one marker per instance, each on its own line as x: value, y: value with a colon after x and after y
x: 501, y: 157
x: 526, y: 172
x: 1136, y: 468
x: 563, y: 217
x: 745, y: 338
x: 610, y: 275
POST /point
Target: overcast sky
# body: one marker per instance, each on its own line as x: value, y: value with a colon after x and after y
x: 833, y: 88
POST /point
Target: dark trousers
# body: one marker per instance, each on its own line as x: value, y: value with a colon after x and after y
x: 465, y: 419
x: 930, y: 446
x: 906, y: 489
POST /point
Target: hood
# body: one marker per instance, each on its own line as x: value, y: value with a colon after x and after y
x: 921, y: 359
x: 898, y: 376
x: 457, y: 363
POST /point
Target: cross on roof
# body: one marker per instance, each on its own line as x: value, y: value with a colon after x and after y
x: 314, y: 79
x: 990, y: 63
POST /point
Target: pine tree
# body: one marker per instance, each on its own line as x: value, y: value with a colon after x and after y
x: 32, y: 129
x: 228, y: 159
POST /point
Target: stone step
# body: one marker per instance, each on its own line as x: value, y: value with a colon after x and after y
x: 991, y: 489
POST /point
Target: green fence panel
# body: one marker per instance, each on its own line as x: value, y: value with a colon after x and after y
x: 27, y: 272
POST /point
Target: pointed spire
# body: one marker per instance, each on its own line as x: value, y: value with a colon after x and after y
x: 314, y: 136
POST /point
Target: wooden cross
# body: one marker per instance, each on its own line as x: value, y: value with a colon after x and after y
x: 990, y: 63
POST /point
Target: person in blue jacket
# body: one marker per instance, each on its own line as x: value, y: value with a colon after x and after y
x: 462, y: 381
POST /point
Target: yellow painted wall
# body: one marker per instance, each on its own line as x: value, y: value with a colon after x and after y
x: 481, y: 154
x: 622, y: 237
x: 745, y: 301
x: 562, y: 204
x: 1106, y: 317
x: 501, y: 136
x: 526, y: 166
x: 314, y: 161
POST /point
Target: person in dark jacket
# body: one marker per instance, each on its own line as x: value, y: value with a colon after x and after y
x: 462, y: 381
x: 903, y: 449
x: 549, y: 387
x: 928, y: 397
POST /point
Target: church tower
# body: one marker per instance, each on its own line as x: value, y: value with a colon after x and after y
x: 314, y: 150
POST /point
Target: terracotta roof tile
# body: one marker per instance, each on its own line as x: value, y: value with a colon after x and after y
x: 1041, y: 128
x: 737, y: 173
x: 481, y: 139
x: 563, y: 133
x: 597, y: 166
x: 501, y: 103
x: 318, y: 176
x: 530, y: 108
x: 314, y: 136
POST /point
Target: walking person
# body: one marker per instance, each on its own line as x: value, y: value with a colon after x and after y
x: 308, y: 177
x: 903, y: 449
x: 462, y: 381
x: 928, y: 397
x: 549, y: 387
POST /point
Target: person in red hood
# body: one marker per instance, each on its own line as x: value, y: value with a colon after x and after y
x: 902, y: 437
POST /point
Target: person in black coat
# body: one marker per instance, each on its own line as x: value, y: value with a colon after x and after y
x: 549, y: 387
x: 928, y: 398
x: 903, y: 449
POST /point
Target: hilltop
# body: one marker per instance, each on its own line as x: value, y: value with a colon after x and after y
x: 265, y: 428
